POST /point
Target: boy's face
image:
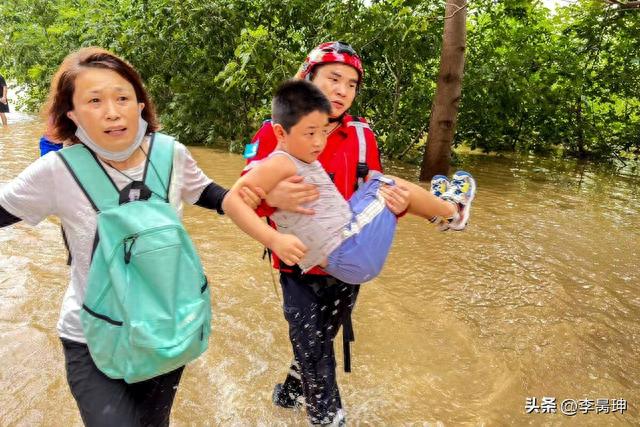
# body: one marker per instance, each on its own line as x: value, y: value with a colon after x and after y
x: 306, y: 140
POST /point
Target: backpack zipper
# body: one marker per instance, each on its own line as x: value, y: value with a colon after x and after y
x: 127, y: 250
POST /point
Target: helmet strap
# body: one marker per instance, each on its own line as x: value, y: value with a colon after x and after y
x: 337, y: 119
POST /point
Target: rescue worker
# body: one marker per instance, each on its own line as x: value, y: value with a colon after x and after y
x: 316, y: 304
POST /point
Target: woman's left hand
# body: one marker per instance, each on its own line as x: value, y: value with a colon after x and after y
x: 397, y: 198
x: 252, y: 196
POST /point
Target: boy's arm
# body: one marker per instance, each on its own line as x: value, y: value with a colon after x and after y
x: 289, y: 194
x: 266, y: 176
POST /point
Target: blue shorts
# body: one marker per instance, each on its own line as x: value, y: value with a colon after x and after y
x: 46, y: 146
x: 361, y: 256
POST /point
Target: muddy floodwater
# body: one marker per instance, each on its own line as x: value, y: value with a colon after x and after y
x: 538, y: 299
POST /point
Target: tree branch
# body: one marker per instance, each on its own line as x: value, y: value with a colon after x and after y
x: 624, y: 5
x: 386, y: 61
x: 459, y: 8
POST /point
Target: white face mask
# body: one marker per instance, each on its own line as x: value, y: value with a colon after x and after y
x: 115, y: 156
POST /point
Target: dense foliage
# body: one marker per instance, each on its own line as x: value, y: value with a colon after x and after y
x: 534, y: 79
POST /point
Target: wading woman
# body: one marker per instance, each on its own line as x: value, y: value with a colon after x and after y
x: 123, y: 369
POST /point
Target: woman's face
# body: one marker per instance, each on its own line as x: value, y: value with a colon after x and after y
x: 105, y: 105
x: 339, y: 83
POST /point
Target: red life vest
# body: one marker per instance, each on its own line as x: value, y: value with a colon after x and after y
x: 351, y: 146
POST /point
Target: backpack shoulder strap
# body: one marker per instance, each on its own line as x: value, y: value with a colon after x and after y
x: 157, y: 174
x: 91, y: 177
x: 362, y: 169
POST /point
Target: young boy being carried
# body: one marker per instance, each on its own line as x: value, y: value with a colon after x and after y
x: 349, y: 240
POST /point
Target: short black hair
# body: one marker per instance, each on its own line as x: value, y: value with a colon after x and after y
x: 295, y: 99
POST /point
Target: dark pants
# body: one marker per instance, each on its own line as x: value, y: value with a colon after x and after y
x: 315, y: 307
x: 107, y: 402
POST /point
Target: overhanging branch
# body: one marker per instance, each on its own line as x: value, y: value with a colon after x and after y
x: 624, y: 5
x: 459, y: 8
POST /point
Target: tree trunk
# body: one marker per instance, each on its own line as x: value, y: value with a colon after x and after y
x: 444, y: 110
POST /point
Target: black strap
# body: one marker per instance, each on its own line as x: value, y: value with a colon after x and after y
x: 362, y: 170
x: 146, y: 163
x: 96, y: 240
x: 347, y: 338
x: 66, y: 245
x: 267, y: 251
x: 347, y: 329
x: 337, y: 119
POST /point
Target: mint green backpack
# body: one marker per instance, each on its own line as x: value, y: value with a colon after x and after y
x: 147, y: 308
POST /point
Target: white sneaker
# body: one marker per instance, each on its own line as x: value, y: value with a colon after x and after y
x: 339, y: 420
x: 439, y: 186
x: 461, y: 191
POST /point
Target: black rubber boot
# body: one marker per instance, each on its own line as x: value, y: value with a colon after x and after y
x: 281, y: 398
x: 288, y: 395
